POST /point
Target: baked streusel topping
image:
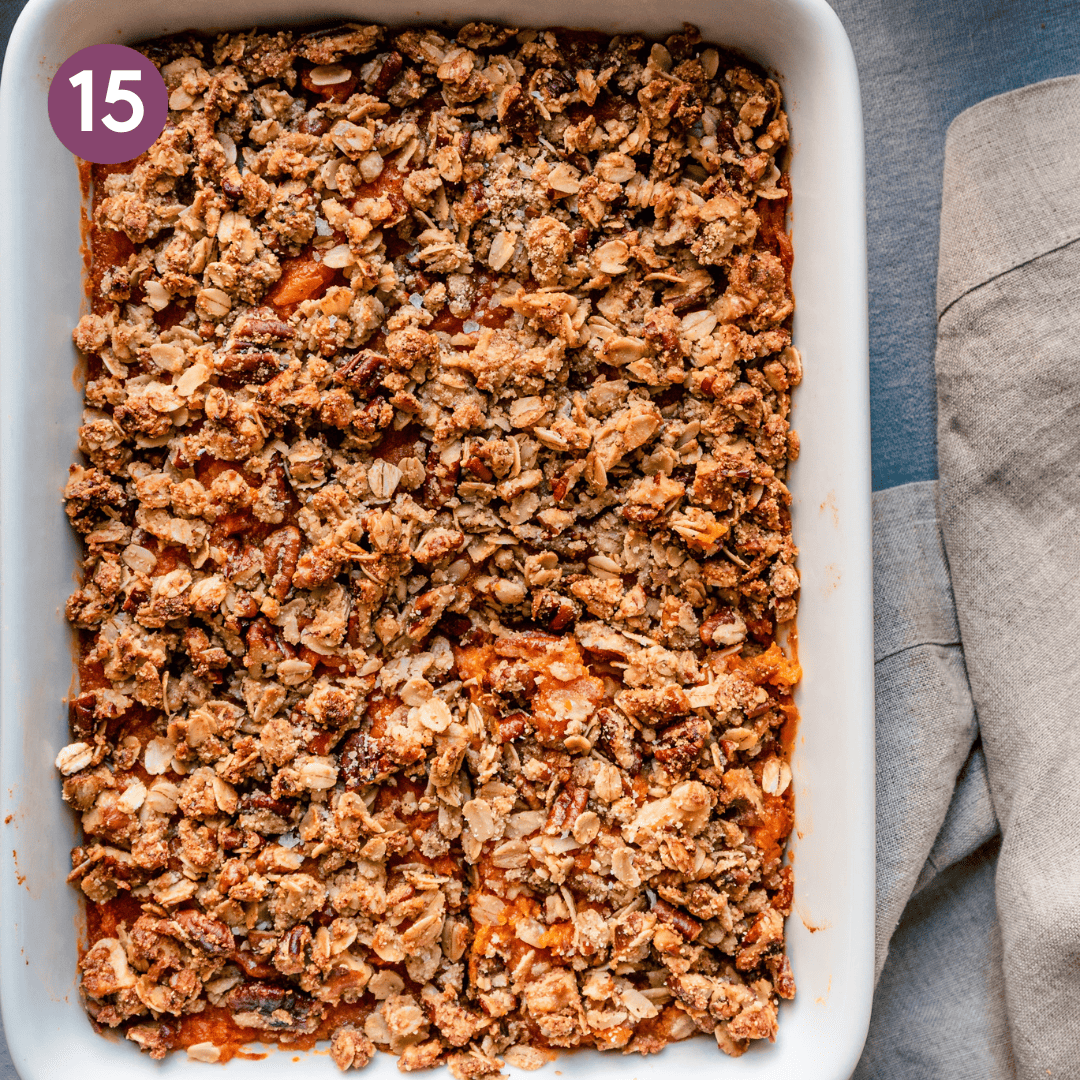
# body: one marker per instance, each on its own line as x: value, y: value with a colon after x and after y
x: 437, y: 544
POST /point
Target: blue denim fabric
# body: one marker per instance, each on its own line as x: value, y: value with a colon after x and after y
x: 9, y: 12
x: 921, y: 62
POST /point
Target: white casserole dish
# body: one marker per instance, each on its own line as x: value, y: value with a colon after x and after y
x: 830, y: 934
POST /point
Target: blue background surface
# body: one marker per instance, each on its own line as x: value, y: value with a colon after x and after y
x: 921, y: 62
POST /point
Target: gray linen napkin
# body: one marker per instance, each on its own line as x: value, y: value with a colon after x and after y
x: 976, y: 983
x: 939, y: 1010
x: 1008, y: 368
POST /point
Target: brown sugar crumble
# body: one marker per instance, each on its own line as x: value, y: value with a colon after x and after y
x: 437, y: 545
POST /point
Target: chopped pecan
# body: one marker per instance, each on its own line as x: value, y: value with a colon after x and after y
x: 565, y: 810
x: 281, y: 551
x: 209, y: 935
x: 618, y: 737
x: 363, y: 761
x: 440, y: 479
x: 274, y: 1008
x: 673, y: 916
x: 553, y: 611
x: 256, y: 349
x: 513, y: 726
x: 362, y: 374
x: 680, y: 745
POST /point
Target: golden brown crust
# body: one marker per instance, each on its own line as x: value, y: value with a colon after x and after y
x: 436, y: 545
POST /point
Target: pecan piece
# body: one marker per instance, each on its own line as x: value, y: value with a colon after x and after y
x: 82, y: 715
x: 281, y: 552
x: 440, y: 480
x: 274, y: 1008
x: 565, y: 810
x: 256, y: 349
x: 425, y: 610
x: 783, y: 980
x: 723, y: 628
x: 618, y: 738
x: 259, y: 800
x: 783, y: 896
x: 511, y: 678
x: 391, y: 68
x: 209, y: 935
x: 513, y: 726
x: 686, y: 925
x: 362, y: 374
x: 262, y: 643
x: 765, y: 936
x: 679, y: 745
x: 251, y: 966
x: 553, y: 611
x: 363, y: 761
x: 291, y: 955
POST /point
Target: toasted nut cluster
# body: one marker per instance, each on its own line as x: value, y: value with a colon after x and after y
x: 437, y: 544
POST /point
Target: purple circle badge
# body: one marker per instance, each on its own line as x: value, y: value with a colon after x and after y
x: 108, y: 103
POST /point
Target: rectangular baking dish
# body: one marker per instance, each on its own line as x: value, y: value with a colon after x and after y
x: 830, y: 933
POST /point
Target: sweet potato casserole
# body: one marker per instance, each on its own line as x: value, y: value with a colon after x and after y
x: 436, y: 550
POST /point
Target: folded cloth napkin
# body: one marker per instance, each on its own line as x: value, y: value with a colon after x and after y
x: 964, y: 993
x: 938, y: 1010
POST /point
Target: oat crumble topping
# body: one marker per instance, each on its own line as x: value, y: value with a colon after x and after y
x: 436, y: 547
